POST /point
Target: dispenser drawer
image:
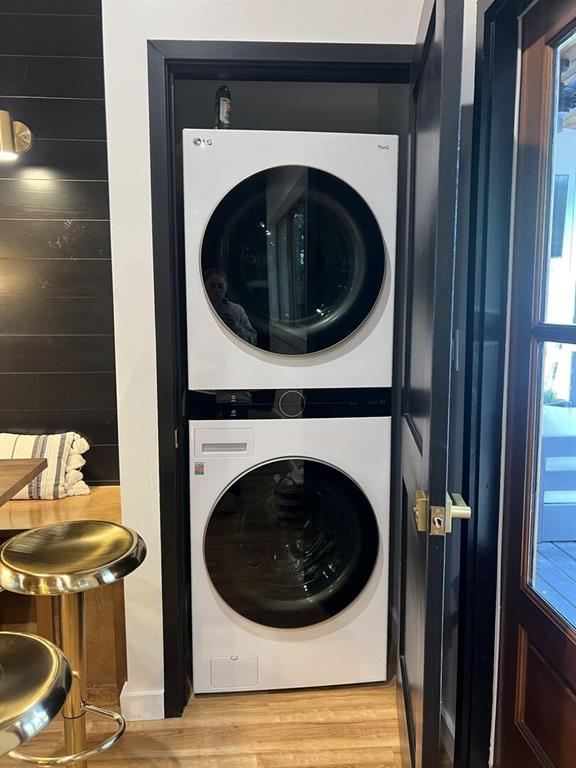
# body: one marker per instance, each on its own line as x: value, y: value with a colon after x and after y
x: 212, y: 443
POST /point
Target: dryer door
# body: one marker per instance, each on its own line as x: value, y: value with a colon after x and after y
x: 291, y: 543
x: 293, y: 260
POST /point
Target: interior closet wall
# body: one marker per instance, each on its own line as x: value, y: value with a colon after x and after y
x: 338, y: 107
x: 56, y: 319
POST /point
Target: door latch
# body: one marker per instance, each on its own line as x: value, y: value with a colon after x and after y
x: 456, y: 509
x: 421, y: 511
x: 440, y: 517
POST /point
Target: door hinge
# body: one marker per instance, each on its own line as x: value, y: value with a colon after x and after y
x: 456, y: 350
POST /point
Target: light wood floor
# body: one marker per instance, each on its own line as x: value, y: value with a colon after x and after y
x: 352, y: 727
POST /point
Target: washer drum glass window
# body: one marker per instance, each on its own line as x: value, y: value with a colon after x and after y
x: 291, y: 543
x: 293, y: 260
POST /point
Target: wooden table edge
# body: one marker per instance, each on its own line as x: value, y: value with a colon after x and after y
x: 33, y: 468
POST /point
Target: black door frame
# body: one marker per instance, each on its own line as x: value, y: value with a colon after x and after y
x: 167, y: 60
x: 491, y: 201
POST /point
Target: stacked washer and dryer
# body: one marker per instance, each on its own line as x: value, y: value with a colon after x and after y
x: 290, y: 244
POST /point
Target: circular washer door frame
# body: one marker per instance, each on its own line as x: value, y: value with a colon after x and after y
x: 353, y: 312
x: 307, y: 610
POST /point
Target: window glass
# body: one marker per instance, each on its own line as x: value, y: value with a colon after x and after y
x: 560, y: 270
x: 554, y: 526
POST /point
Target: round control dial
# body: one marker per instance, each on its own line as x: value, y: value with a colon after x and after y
x: 291, y: 403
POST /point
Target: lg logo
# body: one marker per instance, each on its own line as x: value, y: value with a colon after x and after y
x: 202, y: 142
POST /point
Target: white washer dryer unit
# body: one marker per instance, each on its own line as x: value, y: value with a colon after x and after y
x: 290, y: 249
x: 289, y: 530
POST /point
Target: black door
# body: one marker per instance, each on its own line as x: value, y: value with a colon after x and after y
x: 291, y: 543
x: 425, y: 428
x: 293, y: 260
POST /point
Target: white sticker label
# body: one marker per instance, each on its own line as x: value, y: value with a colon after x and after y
x: 225, y: 110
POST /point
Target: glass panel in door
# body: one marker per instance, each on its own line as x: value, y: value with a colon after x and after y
x: 554, y: 535
x: 560, y: 267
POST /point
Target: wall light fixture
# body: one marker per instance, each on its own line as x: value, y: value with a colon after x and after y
x: 15, y: 137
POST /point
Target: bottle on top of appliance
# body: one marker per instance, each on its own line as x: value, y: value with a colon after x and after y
x: 222, y: 107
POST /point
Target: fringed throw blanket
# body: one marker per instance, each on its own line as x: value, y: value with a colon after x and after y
x: 63, y: 452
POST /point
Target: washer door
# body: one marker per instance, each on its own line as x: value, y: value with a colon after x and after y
x: 293, y: 260
x: 291, y: 543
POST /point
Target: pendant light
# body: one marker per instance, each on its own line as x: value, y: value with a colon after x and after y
x: 15, y: 137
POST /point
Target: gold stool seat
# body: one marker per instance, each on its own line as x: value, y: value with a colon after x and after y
x: 69, y: 557
x: 64, y: 560
x: 35, y: 678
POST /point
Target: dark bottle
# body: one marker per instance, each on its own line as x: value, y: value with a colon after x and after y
x: 222, y: 107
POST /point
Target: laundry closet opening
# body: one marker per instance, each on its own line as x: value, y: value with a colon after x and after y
x: 315, y: 554
x: 270, y: 100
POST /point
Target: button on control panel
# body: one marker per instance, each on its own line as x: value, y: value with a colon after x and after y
x: 291, y: 403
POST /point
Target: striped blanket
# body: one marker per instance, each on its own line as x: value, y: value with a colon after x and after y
x: 63, y: 452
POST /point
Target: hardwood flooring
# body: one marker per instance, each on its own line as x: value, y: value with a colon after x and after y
x: 351, y: 727
x: 555, y: 577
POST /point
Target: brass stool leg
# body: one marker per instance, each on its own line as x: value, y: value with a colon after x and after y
x: 72, y: 642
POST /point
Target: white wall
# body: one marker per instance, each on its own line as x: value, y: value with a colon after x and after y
x: 128, y: 24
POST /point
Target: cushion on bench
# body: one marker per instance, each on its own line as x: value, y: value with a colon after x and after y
x: 63, y: 452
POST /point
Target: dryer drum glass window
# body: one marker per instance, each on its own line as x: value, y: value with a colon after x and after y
x: 291, y: 543
x: 293, y: 260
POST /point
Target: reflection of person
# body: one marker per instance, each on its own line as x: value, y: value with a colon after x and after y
x: 233, y: 315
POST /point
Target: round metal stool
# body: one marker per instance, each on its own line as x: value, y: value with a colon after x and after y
x: 65, y: 560
x: 35, y: 678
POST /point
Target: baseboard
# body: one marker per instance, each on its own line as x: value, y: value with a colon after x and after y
x: 141, y: 705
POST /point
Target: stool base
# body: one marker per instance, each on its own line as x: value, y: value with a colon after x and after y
x: 72, y: 643
x: 82, y: 756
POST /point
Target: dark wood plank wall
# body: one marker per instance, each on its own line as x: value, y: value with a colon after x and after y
x: 56, y: 322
